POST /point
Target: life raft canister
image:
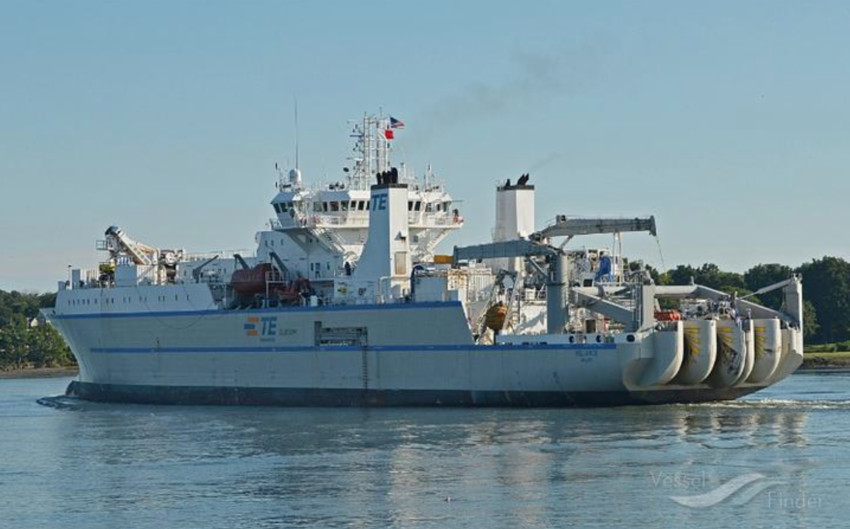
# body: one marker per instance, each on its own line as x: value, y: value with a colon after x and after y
x: 668, y: 315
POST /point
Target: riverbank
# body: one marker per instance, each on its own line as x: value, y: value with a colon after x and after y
x: 40, y: 372
x: 816, y: 361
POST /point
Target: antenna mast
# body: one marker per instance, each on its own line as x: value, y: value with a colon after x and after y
x: 297, y: 166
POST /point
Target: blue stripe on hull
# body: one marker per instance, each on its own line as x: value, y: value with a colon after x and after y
x: 232, y: 396
x: 249, y: 312
x: 311, y: 348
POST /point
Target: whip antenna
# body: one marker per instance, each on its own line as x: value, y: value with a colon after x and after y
x: 297, y: 166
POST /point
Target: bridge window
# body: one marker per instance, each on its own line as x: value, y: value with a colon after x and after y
x: 344, y: 205
x: 334, y: 206
x: 276, y: 207
x: 417, y: 206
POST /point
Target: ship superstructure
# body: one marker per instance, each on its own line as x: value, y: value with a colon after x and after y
x: 346, y: 302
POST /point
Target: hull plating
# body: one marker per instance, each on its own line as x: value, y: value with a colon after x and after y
x: 392, y: 355
x: 238, y: 396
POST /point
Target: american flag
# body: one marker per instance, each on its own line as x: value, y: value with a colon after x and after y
x: 395, y: 123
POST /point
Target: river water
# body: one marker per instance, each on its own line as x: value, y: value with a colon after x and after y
x: 779, y: 458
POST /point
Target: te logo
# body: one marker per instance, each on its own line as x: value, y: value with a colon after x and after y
x: 265, y: 326
x: 379, y: 202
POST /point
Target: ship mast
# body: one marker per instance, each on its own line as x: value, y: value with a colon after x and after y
x: 372, y: 150
x: 297, y: 165
x: 382, y: 144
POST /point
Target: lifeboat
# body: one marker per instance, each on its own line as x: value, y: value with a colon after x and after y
x: 251, y: 281
x: 294, y: 291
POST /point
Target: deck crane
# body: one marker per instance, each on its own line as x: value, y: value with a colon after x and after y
x: 538, y: 245
x: 118, y: 243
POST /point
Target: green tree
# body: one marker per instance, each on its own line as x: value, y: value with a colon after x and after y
x: 682, y: 275
x: 810, y: 320
x: 22, y: 345
x: 709, y: 275
x: 826, y: 284
x: 763, y: 275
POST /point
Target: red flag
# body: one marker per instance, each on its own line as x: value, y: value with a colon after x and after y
x: 389, y: 134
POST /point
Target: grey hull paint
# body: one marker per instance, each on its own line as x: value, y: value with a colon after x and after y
x: 233, y: 396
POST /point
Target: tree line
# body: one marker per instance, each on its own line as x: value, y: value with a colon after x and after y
x: 24, y: 344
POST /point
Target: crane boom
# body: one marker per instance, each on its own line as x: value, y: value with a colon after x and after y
x: 570, y: 227
x: 118, y: 241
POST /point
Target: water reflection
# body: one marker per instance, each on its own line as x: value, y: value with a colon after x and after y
x: 398, y: 467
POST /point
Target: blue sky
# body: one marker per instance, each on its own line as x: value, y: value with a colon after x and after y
x: 727, y: 120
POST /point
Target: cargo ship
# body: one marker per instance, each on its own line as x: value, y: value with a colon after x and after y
x: 346, y: 302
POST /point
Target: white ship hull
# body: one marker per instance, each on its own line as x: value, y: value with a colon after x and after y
x: 418, y: 354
